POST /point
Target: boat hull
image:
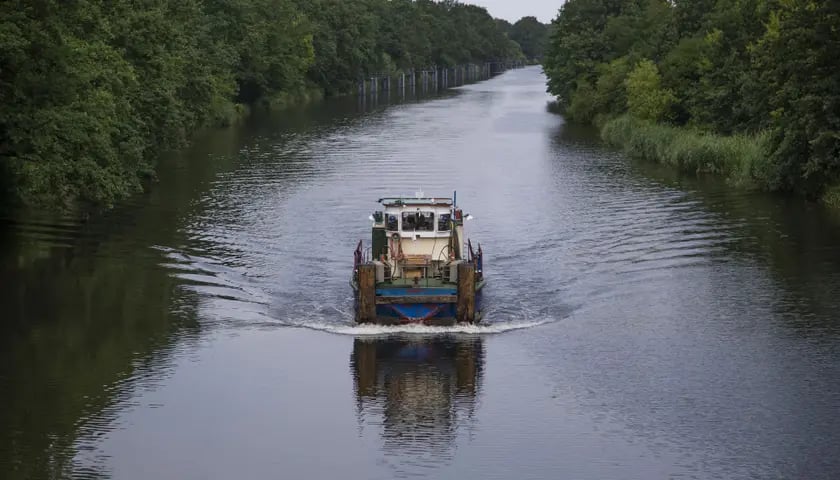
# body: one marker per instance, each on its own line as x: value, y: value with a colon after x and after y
x: 435, y: 306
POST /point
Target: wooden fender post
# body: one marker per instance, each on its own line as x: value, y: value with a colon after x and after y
x: 367, y: 294
x: 465, y: 310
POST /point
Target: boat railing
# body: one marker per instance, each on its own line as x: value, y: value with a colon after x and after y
x: 476, y: 258
x: 360, y: 256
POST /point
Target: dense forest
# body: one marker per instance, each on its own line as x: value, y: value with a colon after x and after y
x: 93, y: 90
x: 746, y: 88
x: 530, y: 34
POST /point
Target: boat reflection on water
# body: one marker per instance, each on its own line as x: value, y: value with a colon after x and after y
x: 419, y: 392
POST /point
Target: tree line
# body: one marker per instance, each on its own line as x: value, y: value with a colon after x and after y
x: 530, y: 34
x: 764, y: 70
x: 93, y: 90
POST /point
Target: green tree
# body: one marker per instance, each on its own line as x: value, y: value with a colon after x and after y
x: 740, y: 68
x: 93, y: 91
x: 646, y: 99
x: 531, y: 35
x: 577, y: 45
x: 67, y: 127
x: 796, y: 59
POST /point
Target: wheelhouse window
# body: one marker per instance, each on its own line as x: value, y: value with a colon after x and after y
x: 444, y: 224
x: 391, y: 222
x: 418, y: 222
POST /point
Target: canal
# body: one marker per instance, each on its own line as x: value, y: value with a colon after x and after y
x: 640, y: 323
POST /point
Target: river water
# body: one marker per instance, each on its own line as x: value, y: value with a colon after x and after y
x: 639, y: 324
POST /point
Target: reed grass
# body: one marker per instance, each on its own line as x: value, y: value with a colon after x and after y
x: 742, y: 159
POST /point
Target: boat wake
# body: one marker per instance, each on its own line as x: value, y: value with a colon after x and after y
x: 231, y: 299
x: 371, y: 330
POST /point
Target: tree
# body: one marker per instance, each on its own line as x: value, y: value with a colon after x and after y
x: 93, y: 91
x: 796, y: 60
x: 646, y: 99
x: 577, y: 45
x: 531, y: 35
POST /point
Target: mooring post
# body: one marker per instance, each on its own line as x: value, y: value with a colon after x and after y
x: 465, y: 309
x: 367, y: 293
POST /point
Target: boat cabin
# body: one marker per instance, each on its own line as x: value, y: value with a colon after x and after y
x: 416, y: 238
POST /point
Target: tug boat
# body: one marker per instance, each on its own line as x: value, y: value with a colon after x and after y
x: 419, y: 267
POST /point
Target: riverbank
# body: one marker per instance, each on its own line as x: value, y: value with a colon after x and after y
x: 743, y: 160
x: 88, y: 124
x: 729, y: 69
x: 238, y: 112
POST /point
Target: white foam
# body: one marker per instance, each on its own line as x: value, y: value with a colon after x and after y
x: 386, y: 330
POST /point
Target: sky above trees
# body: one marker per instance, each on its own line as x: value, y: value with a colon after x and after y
x: 544, y: 10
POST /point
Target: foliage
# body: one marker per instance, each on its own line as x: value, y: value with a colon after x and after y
x: 577, y: 45
x: 353, y: 39
x: 531, y: 35
x: 646, y: 99
x: 796, y: 59
x: 93, y: 91
x: 743, y: 68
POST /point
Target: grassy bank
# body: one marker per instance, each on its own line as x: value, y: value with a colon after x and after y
x: 744, y: 160
x: 741, y: 159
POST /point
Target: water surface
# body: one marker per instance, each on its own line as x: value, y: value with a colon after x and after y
x: 640, y: 324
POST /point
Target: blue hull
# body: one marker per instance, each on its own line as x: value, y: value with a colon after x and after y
x: 399, y: 313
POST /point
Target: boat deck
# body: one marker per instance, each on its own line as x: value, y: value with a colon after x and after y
x: 422, y: 283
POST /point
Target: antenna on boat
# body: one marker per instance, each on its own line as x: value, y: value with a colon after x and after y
x: 455, y: 198
x: 419, y: 193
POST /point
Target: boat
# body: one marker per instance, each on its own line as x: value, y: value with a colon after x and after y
x: 419, y: 267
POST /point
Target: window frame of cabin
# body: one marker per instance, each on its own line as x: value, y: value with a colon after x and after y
x: 396, y: 218
x: 448, y: 222
x: 417, y: 214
